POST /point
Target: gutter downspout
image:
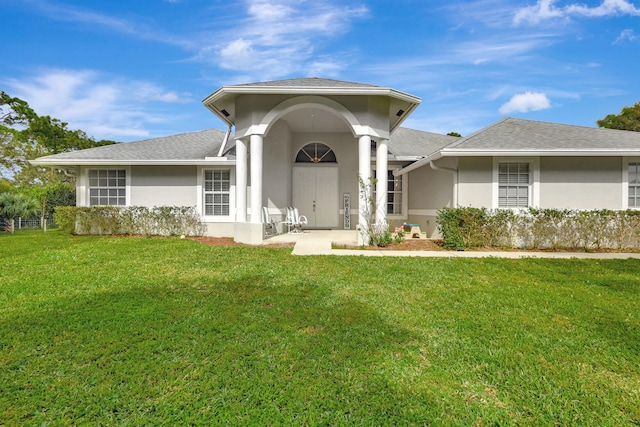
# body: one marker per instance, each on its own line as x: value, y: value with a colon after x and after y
x: 455, y: 176
x: 225, y: 140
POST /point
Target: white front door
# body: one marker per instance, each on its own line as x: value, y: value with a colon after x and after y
x: 315, y: 194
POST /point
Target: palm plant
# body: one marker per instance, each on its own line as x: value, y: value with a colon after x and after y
x: 14, y: 205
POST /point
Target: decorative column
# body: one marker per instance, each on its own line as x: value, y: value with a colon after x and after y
x: 364, y: 173
x: 382, y: 154
x: 241, y: 181
x: 256, y: 178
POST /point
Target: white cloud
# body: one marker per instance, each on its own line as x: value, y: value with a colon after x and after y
x: 525, y: 102
x: 279, y: 37
x: 629, y: 35
x: 104, y: 107
x: 546, y: 9
x: 96, y: 20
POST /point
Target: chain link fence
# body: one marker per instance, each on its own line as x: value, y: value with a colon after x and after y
x: 27, y: 224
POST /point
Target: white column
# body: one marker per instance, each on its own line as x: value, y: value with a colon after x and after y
x: 241, y: 181
x: 382, y: 154
x: 364, y: 173
x: 256, y: 179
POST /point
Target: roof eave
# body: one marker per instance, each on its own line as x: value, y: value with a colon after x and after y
x: 395, y: 125
x: 102, y: 162
x: 299, y: 90
x: 546, y: 153
x: 420, y: 163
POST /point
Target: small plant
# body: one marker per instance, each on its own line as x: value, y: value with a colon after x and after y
x: 398, y: 235
x: 14, y: 205
x: 374, y: 232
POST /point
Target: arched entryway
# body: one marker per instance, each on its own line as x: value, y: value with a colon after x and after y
x: 315, y: 185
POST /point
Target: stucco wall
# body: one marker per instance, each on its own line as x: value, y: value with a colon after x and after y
x: 565, y: 182
x: 277, y: 162
x: 252, y: 109
x: 475, y: 181
x: 581, y: 182
x: 430, y: 190
x: 163, y: 186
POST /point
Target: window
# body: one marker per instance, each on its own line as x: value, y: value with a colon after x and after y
x: 634, y: 185
x: 107, y: 187
x: 217, y: 186
x: 316, y: 152
x: 513, y: 185
x: 394, y: 193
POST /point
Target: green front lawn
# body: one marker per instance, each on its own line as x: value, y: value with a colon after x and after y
x: 151, y: 331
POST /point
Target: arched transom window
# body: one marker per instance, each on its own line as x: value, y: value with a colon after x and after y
x: 316, y: 152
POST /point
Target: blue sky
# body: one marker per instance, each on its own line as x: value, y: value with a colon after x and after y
x: 129, y: 70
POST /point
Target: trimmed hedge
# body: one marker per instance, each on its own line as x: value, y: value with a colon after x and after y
x: 532, y: 228
x: 131, y: 220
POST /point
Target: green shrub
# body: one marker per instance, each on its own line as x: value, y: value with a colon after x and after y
x: 539, y: 228
x: 131, y: 220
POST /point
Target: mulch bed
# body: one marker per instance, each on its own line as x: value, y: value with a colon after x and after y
x: 405, y: 245
x: 228, y: 241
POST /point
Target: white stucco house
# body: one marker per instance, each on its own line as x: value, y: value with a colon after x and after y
x: 305, y: 143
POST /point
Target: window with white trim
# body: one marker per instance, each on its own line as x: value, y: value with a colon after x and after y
x: 634, y: 185
x: 217, y: 189
x: 107, y: 187
x: 394, y: 193
x: 513, y: 184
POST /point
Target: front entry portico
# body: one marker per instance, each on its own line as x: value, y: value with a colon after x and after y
x: 274, y: 118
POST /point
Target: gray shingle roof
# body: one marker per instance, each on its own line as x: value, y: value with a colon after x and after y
x: 309, y: 82
x: 185, y: 146
x: 206, y: 143
x: 527, y: 135
x: 512, y: 135
x: 411, y: 142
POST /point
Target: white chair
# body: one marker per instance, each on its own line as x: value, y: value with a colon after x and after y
x: 294, y: 221
x: 270, y: 226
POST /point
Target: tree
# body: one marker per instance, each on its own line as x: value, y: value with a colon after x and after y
x: 51, y: 195
x: 454, y: 134
x: 628, y: 119
x: 14, y: 205
x: 24, y: 135
x: 5, y: 186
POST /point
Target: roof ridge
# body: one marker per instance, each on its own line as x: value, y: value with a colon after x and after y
x: 464, y: 139
x: 301, y: 79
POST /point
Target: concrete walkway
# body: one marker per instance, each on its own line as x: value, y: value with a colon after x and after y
x: 320, y: 242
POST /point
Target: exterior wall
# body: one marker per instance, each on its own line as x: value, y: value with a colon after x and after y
x: 277, y: 165
x: 163, y: 186
x: 475, y: 175
x: 563, y: 183
x: 252, y: 109
x: 431, y: 190
x: 581, y: 182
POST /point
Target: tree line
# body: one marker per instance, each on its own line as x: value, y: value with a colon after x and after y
x: 27, y: 190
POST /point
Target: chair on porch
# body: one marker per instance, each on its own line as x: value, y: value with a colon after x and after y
x: 270, y: 226
x: 294, y: 221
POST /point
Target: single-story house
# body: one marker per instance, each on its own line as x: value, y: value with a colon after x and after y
x: 310, y: 142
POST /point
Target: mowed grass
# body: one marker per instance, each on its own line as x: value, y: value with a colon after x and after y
x: 153, y: 331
